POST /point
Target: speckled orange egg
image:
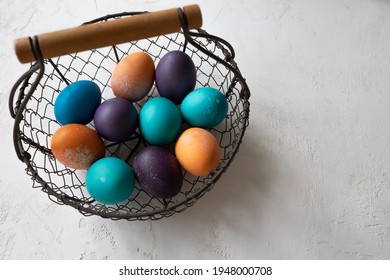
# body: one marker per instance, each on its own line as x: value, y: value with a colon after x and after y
x: 197, y: 151
x: 77, y: 146
x: 133, y: 76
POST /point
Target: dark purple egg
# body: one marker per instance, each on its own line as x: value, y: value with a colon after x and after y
x: 116, y: 119
x: 158, y: 172
x: 175, y: 76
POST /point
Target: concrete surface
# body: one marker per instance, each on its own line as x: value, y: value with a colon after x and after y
x: 312, y: 178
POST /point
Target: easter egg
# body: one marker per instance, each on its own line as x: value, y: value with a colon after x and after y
x: 77, y: 146
x: 77, y: 103
x: 116, y: 119
x: 175, y: 76
x: 159, y: 121
x: 133, y: 76
x: 197, y: 151
x: 110, y: 180
x: 204, y: 107
x: 158, y: 172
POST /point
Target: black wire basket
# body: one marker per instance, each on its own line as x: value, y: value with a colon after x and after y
x: 32, y: 107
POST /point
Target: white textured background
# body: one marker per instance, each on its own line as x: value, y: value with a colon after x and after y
x: 312, y: 178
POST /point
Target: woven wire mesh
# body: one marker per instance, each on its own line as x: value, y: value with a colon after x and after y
x: 67, y: 186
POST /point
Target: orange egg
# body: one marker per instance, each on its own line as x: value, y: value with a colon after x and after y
x: 197, y: 150
x: 77, y: 146
x: 133, y: 76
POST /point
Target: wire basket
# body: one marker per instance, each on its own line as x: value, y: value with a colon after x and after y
x: 33, y: 111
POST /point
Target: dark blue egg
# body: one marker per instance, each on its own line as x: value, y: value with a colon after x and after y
x: 175, y: 76
x: 158, y: 172
x: 116, y: 119
x: 77, y: 103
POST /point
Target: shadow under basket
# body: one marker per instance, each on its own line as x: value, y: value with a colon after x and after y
x: 32, y: 106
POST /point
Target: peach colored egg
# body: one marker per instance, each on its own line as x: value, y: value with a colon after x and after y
x: 197, y: 151
x: 77, y: 146
x: 133, y: 76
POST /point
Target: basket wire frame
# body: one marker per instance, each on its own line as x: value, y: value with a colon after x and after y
x: 34, y: 124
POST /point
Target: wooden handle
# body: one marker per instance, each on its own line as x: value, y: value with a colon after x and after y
x: 108, y: 33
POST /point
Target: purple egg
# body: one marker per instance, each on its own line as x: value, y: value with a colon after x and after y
x: 116, y: 119
x: 158, y: 172
x: 175, y: 76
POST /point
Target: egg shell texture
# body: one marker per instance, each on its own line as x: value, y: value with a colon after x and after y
x: 160, y: 121
x: 110, y: 180
x: 197, y: 151
x: 77, y: 146
x: 158, y: 172
x: 175, y: 76
x: 77, y: 103
x: 204, y: 107
x: 116, y: 119
x: 133, y: 76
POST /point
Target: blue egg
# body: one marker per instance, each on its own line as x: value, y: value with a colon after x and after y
x: 160, y: 121
x: 77, y: 103
x: 204, y: 107
x: 110, y: 180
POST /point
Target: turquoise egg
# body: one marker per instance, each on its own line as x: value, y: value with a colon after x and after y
x: 160, y: 121
x: 77, y: 103
x: 204, y: 107
x: 110, y: 180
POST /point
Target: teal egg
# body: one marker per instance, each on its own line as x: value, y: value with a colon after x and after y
x: 204, y: 107
x: 77, y: 103
x: 110, y: 180
x: 160, y: 121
